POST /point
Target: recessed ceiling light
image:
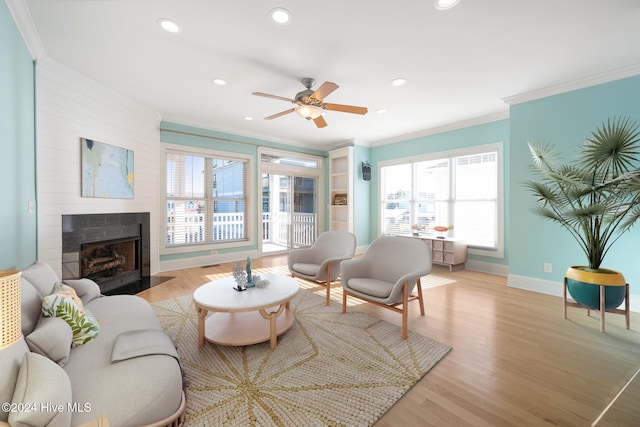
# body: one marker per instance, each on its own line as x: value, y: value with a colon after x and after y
x: 248, y: 118
x: 168, y: 25
x: 446, y: 4
x: 280, y: 15
x: 381, y: 111
x: 219, y: 82
x: 399, y: 82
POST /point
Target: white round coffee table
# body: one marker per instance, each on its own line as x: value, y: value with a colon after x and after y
x: 239, y: 317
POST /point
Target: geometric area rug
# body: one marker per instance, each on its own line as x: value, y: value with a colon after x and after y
x: 329, y: 369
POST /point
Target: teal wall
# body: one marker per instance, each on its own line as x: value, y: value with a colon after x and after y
x: 18, y: 236
x: 564, y: 120
x: 487, y: 133
x: 174, y: 133
x: 362, y: 191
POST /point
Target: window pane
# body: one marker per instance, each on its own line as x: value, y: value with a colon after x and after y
x: 185, y: 222
x: 185, y: 175
x: 227, y: 178
x: 228, y: 221
x: 206, y: 199
x: 433, y: 180
x: 432, y: 192
x: 476, y: 223
x: 477, y: 177
x: 451, y: 191
x: 476, y: 216
x: 396, y: 184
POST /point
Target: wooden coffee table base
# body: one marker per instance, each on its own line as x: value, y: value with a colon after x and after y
x: 244, y: 328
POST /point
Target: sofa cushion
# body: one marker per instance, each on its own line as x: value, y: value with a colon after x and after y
x: 41, y: 276
x: 65, y: 304
x: 30, y: 306
x: 153, y: 381
x: 51, y: 338
x: 10, y: 359
x: 41, y: 381
x: 86, y: 289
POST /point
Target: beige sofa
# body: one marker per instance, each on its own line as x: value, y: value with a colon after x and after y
x: 45, y: 381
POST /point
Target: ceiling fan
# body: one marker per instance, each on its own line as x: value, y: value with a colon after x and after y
x: 310, y: 103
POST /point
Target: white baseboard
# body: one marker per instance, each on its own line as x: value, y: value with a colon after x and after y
x: 550, y: 287
x: 487, y: 267
x: 179, y: 264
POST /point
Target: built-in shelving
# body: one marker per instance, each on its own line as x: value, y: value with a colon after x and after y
x: 341, y: 189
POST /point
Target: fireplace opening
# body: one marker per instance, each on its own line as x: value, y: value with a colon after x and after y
x: 113, y: 250
x: 111, y: 264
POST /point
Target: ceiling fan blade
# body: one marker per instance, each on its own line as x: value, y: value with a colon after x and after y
x: 346, y: 108
x: 324, y: 90
x: 320, y: 122
x: 282, y: 113
x: 266, y: 95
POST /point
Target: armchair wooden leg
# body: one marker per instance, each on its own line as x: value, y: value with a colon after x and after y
x: 405, y: 309
x: 328, y: 283
x: 344, y: 301
x: 419, y: 284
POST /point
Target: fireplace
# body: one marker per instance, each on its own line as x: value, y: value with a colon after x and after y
x: 110, y: 249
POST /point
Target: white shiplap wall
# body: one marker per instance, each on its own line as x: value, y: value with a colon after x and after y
x: 70, y: 106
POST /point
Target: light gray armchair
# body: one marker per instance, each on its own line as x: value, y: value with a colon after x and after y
x: 321, y: 262
x: 387, y: 273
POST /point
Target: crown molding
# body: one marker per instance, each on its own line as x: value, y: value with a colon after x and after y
x: 24, y: 22
x: 581, y: 83
x: 444, y: 128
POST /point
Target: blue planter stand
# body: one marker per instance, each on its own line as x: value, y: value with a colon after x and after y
x: 602, y: 298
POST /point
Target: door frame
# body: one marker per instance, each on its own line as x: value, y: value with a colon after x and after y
x: 293, y: 171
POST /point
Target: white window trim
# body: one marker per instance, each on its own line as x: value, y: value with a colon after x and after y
x: 251, y: 214
x: 476, y: 149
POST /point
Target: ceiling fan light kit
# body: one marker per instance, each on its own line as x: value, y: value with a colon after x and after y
x: 310, y: 104
x: 309, y: 111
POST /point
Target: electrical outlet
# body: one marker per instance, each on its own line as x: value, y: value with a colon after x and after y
x: 213, y: 253
x: 548, y: 268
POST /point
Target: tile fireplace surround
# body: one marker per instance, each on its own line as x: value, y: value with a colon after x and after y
x: 83, y: 231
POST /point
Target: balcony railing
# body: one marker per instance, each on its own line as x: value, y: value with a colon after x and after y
x: 190, y: 228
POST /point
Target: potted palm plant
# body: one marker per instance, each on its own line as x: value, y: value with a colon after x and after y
x: 596, y: 198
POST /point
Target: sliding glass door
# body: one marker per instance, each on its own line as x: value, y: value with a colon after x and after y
x: 290, y: 199
x: 289, y: 212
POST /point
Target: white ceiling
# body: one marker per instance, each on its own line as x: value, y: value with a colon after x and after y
x: 460, y: 64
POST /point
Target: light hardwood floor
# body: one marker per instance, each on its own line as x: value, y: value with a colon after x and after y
x: 515, y: 360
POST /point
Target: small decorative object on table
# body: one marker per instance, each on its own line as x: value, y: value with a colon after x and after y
x: 442, y: 230
x: 418, y: 228
x: 240, y: 276
x: 244, y: 278
x: 249, y: 279
x: 260, y: 283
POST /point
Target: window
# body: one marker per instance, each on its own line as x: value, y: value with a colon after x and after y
x: 206, y: 199
x: 462, y: 188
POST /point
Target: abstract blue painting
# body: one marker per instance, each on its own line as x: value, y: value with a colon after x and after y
x: 107, y: 170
